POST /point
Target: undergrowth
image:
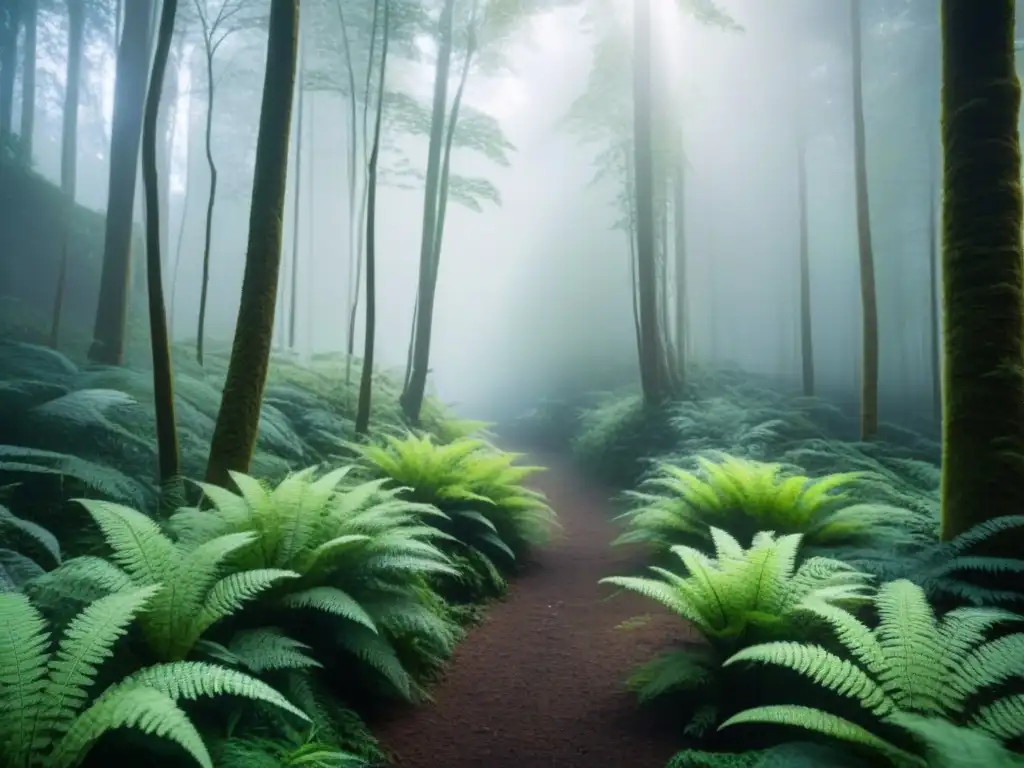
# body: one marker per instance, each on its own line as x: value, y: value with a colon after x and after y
x: 332, y: 581
x: 810, y: 564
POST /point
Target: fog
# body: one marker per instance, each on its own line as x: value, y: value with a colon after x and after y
x: 534, y: 295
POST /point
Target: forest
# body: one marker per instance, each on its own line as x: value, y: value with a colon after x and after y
x: 701, y: 446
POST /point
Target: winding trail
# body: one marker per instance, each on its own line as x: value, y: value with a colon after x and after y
x: 540, y: 683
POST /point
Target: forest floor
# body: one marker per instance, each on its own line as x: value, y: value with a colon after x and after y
x: 540, y: 684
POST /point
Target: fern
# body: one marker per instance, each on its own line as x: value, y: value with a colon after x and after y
x: 734, y: 599
x: 359, y: 553
x: 743, y: 497
x: 192, y: 595
x: 912, y: 663
x: 45, y: 713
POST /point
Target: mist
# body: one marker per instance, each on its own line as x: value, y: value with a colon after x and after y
x: 534, y: 294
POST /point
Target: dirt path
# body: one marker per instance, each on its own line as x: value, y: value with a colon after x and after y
x: 540, y: 683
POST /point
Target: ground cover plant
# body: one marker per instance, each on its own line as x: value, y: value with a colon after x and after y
x: 900, y: 684
x: 313, y: 590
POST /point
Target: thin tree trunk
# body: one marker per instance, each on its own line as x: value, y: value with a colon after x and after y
x: 412, y: 397
x: 234, y: 436
x: 353, y: 188
x: 163, y: 375
x: 934, y: 280
x: 69, y: 155
x: 296, y: 208
x: 869, y: 299
x: 177, y: 248
x: 8, y: 67
x: 679, y: 243
x: 30, y: 11
x: 211, y: 200
x: 806, y: 337
x: 362, y: 425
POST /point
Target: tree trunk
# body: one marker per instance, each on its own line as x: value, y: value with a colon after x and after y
x: 296, y: 209
x: 869, y: 300
x: 125, y: 136
x: 30, y: 14
x: 234, y: 437
x: 983, y: 289
x: 211, y: 200
x: 8, y: 66
x: 167, y: 132
x: 679, y: 246
x: 163, y: 375
x: 651, y: 353
x: 934, y: 280
x: 69, y: 155
x: 412, y: 396
x: 362, y: 425
x: 806, y: 336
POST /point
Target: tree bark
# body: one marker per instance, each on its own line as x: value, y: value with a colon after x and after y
x: 30, y: 14
x: 983, y: 287
x: 163, y: 376
x: 868, y: 297
x: 234, y: 436
x: 125, y: 137
x: 806, y: 328
x: 651, y: 353
x: 8, y: 66
x: 362, y: 425
x: 69, y: 155
x: 412, y: 396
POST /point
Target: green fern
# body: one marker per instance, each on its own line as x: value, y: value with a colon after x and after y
x: 192, y: 594
x: 16, y: 536
x: 912, y: 663
x: 46, y: 717
x: 360, y: 553
x: 488, y: 509
x: 743, y: 496
x: 733, y: 600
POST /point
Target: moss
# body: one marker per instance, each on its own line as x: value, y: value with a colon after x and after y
x: 983, y: 285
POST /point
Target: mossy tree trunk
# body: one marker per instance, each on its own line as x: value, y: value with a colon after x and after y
x: 234, y: 436
x: 982, y: 284
x: 868, y: 296
x: 130, y: 81
x: 163, y: 376
x: 69, y: 155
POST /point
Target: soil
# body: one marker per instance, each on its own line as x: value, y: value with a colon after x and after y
x: 540, y: 684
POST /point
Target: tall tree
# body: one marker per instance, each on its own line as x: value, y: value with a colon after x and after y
x: 806, y: 327
x: 30, y: 21
x: 868, y: 295
x: 163, y: 378
x: 10, y: 23
x: 653, y: 382
x: 234, y: 436
x: 362, y: 424
x: 416, y: 382
x: 69, y: 154
x: 216, y: 28
x: 300, y: 108
x: 130, y: 80
x: 982, y: 278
